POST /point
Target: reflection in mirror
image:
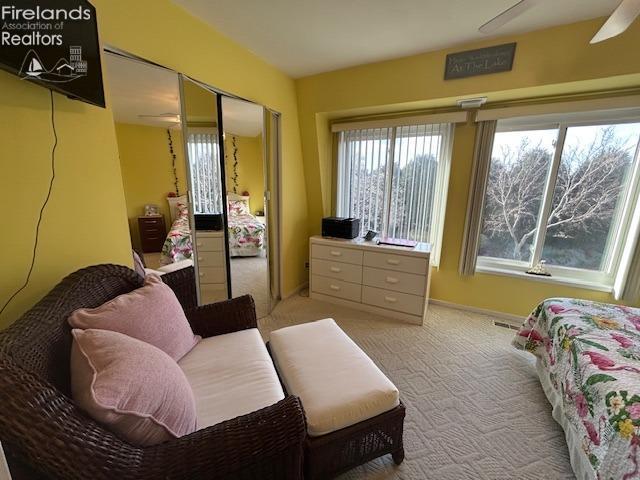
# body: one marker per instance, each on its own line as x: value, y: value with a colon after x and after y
x: 206, y: 186
x: 248, y: 209
x: 145, y: 100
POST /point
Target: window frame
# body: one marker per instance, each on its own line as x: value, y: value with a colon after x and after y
x: 604, y: 279
x: 441, y: 183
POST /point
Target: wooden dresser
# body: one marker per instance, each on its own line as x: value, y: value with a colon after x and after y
x: 387, y: 280
x: 153, y: 232
x: 211, y: 266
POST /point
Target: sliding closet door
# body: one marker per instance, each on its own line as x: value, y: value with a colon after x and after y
x: 204, y: 147
x: 272, y: 161
x: 251, y: 202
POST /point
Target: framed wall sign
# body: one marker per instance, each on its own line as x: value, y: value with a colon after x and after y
x: 480, y: 61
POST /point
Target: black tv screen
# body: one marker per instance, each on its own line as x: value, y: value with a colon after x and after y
x: 53, y: 43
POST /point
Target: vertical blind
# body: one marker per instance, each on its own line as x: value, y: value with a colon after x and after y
x: 204, y: 162
x: 392, y: 178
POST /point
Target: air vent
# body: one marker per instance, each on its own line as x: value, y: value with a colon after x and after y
x: 505, y: 325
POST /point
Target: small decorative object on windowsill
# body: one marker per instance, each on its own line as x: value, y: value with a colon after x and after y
x: 539, y: 270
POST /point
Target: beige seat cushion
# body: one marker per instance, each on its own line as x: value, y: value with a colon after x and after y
x: 339, y: 385
x: 231, y: 375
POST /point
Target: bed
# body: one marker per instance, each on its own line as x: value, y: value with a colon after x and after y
x: 246, y: 232
x: 177, y: 246
x: 588, y: 361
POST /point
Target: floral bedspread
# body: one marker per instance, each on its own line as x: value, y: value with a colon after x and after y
x: 177, y: 245
x: 246, y: 235
x: 591, y: 354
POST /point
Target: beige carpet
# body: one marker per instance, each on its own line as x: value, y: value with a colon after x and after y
x: 249, y: 276
x: 475, y: 408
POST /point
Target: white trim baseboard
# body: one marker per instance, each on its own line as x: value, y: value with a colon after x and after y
x: 296, y: 290
x: 514, y: 320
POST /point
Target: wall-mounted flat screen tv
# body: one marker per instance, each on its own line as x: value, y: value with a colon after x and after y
x: 53, y: 43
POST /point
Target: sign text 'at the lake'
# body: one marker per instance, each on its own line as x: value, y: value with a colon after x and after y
x: 480, y: 62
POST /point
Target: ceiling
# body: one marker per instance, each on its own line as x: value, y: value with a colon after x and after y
x: 138, y: 89
x: 144, y: 94
x: 242, y: 118
x: 304, y: 37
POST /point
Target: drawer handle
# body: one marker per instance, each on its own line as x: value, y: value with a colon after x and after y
x: 392, y: 261
x: 335, y: 253
x: 336, y: 269
x: 201, y: 274
x: 334, y: 287
x: 392, y: 280
x: 199, y: 259
x: 390, y: 299
x: 198, y: 244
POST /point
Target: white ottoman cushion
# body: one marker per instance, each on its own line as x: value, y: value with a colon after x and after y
x: 339, y: 385
x: 231, y: 375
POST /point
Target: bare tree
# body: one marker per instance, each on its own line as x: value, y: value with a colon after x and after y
x: 586, y: 191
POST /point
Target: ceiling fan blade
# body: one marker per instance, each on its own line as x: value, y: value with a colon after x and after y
x: 161, y: 115
x: 508, y: 15
x: 619, y: 21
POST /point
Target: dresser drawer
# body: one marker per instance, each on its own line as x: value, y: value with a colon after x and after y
x: 212, y: 275
x: 213, y: 292
x: 209, y: 244
x: 342, y: 271
x: 210, y: 259
x: 151, y: 222
x: 152, y: 233
x: 400, y: 302
x: 400, y: 263
x: 345, y: 255
x: 336, y: 288
x: 396, y: 281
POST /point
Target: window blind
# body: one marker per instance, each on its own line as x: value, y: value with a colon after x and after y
x: 204, y: 163
x: 394, y: 179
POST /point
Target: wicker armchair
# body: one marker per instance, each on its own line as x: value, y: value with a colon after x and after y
x: 46, y: 434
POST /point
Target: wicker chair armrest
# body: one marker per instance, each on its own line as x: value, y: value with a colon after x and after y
x: 266, y: 444
x: 183, y: 284
x: 44, y: 431
x: 223, y: 317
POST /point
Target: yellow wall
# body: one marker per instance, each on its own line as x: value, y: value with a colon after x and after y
x: 250, y: 168
x: 147, y: 173
x: 548, y: 62
x: 86, y: 222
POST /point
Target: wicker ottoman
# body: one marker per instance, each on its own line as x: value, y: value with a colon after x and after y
x: 353, y: 411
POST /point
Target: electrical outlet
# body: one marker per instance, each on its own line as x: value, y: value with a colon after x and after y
x: 306, y: 265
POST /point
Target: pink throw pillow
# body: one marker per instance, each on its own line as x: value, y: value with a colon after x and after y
x: 134, y: 388
x: 151, y: 313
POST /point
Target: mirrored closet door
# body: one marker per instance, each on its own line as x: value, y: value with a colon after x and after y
x: 201, y: 177
x: 245, y: 147
x: 205, y: 174
x: 145, y: 101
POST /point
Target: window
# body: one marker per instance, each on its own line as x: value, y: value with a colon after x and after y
x: 204, y: 165
x: 394, y: 179
x: 560, y: 192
